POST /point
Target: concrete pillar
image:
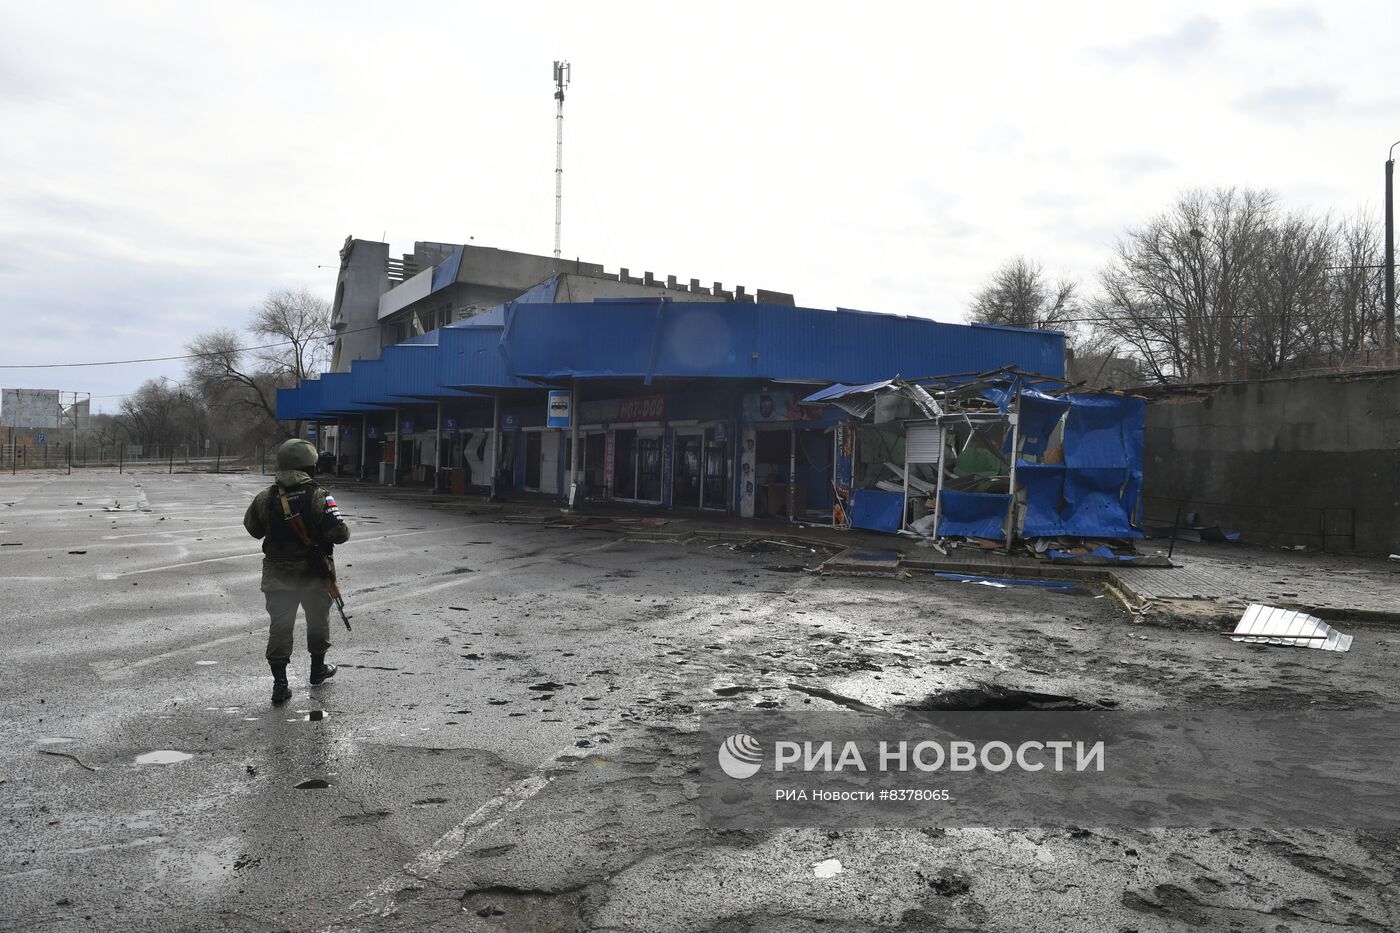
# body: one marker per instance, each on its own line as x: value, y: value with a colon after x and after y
x: 437, y: 451
x: 398, y: 446
x: 364, y: 435
x: 573, y: 445
x: 792, y: 472
x: 495, y: 441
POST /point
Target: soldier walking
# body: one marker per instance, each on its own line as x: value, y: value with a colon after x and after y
x: 290, y: 570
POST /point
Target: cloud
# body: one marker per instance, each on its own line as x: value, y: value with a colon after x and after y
x: 1188, y: 40
x: 1277, y: 19
x: 1292, y: 103
x: 1140, y: 163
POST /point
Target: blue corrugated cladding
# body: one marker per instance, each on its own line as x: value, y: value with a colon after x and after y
x: 731, y: 340
x: 413, y: 371
x: 289, y: 403
x: 472, y: 358
x: 642, y: 338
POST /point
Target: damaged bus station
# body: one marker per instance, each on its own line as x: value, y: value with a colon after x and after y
x: 1022, y: 556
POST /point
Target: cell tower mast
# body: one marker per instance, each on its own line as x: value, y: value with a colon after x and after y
x: 561, y: 81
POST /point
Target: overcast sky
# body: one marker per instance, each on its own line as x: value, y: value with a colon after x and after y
x: 163, y: 166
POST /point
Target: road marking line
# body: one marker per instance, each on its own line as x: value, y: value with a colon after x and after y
x: 380, y: 900
x: 188, y: 563
x: 114, y: 673
x: 466, y: 578
x: 173, y: 531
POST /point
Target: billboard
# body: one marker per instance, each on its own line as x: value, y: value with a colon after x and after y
x: 30, y: 408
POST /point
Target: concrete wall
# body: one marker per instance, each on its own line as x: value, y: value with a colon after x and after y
x: 503, y: 268
x: 1310, y: 460
x: 355, y: 312
x: 573, y: 288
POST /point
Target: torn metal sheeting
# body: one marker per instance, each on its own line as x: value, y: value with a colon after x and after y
x: 1269, y: 625
x: 861, y: 400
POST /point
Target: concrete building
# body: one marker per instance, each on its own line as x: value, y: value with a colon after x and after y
x: 381, y: 301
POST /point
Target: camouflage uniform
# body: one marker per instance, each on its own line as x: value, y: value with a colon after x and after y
x: 288, y: 579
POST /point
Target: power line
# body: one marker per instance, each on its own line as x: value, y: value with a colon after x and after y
x: 167, y: 359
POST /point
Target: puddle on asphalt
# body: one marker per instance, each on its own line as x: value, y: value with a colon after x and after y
x: 163, y: 756
x: 313, y: 784
x: 874, y: 555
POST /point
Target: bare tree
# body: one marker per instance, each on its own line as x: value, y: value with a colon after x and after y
x: 1020, y: 294
x: 239, y: 374
x: 223, y: 371
x: 1284, y: 307
x: 162, y: 414
x: 1177, y: 290
x: 1355, y: 306
x: 298, y: 322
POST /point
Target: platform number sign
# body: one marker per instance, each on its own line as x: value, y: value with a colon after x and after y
x: 39, y: 438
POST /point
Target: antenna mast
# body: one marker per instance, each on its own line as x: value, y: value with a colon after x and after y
x: 561, y: 81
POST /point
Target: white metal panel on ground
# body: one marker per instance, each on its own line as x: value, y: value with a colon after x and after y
x: 1273, y: 626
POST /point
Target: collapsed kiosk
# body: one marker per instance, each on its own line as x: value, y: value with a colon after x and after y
x: 993, y: 460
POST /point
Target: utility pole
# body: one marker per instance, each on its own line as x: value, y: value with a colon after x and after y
x: 1390, y: 254
x: 561, y: 81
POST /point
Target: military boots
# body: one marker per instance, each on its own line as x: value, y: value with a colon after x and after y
x: 281, y: 693
x: 320, y: 670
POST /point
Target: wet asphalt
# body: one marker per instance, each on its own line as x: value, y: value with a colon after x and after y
x: 505, y: 745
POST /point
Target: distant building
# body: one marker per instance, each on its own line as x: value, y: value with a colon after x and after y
x: 381, y: 300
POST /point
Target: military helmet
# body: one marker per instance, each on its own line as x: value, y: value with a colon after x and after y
x: 296, y: 454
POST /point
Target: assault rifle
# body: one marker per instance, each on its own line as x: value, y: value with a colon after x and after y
x: 319, y: 563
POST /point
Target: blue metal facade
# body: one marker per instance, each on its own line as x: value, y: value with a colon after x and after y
x: 645, y: 339
x: 721, y: 382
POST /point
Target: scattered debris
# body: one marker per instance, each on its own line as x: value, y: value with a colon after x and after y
x: 313, y: 784
x: 996, y: 698
x: 77, y: 552
x: 1003, y: 582
x: 829, y: 868
x: 49, y: 751
x: 837, y: 698
x: 1270, y: 625
x: 950, y: 883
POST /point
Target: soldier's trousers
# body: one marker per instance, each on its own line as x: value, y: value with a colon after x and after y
x: 282, y: 610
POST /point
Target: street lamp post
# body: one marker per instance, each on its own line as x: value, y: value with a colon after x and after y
x: 1390, y: 253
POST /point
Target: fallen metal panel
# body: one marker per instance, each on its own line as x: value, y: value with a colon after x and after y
x: 1269, y: 625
